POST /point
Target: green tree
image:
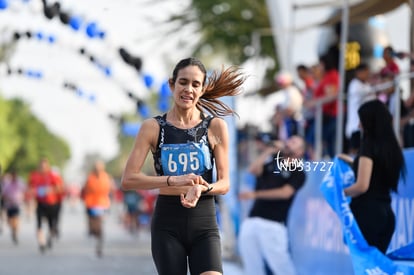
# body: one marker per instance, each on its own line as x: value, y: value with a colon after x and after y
x: 229, y: 27
x: 25, y: 139
x: 9, y: 139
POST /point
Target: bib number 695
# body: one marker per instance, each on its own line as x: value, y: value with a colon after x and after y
x: 188, y: 162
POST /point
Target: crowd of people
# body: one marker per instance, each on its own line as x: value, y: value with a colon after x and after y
x: 40, y: 196
x: 291, y: 110
x: 370, y: 111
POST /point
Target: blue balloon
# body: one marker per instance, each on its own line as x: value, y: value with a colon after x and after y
x: 144, y: 111
x: 163, y: 105
x: 148, y: 80
x: 92, y: 98
x: 101, y: 34
x: 92, y: 29
x: 75, y: 22
x: 51, y: 39
x: 29, y: 73
x: 4, y: 4
x: 79, y: 92
x: 108, y: 71
x: 130, y: 129
x: 38, y: 74
x: 165, y: 89
x: 39, y: 35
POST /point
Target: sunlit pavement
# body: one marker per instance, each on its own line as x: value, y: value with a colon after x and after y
x: 74, y: 252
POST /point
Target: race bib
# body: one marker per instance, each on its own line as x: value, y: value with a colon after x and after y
x: 42, y: 191
x: 179, y: 159
x: 96, y: 211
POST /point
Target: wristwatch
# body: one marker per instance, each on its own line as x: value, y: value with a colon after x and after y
x: 210, y: 187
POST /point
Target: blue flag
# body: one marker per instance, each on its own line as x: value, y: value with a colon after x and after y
x: 366, y: 259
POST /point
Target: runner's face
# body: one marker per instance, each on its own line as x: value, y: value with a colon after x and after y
x: 44, y: 166
x: 188, y: 87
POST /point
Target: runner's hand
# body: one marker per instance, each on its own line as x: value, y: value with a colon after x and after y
x: 190, y: 199
x: 185, y: 180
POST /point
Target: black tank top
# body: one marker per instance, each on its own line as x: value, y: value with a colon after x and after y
x: 183, y: 151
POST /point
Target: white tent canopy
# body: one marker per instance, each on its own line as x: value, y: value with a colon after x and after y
x: 362, y: 11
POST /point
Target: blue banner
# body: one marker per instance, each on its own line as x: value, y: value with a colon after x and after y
x: 403, y: 206
x: 366, y: 259
x: 404, y: 253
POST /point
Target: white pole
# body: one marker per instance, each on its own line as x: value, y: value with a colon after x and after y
x: 279, y: 31
x: 397, y: 108
x: 290, y: 39
x: 342, y: 53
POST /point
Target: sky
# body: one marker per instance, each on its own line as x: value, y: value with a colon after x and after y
x: 135, y: 25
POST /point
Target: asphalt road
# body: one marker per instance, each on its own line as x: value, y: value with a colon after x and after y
x: 74, y: 252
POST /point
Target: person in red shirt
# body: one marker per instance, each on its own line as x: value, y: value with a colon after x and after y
x: 327, y: 89
x: 390, y: 64
x: 46, y: 188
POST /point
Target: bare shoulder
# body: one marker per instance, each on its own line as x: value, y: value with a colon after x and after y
x: 149, y: 130
x: 150, y: 123
x: 218, y: 124
x: 218, y: 133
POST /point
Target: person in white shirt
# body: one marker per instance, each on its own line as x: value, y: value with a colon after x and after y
x: 286, y: 104
x: 359, y: 92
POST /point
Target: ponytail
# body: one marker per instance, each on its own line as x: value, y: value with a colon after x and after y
x: 226, y: 83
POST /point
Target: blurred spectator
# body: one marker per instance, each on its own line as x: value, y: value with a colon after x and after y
x: 317, y: 74
x: 96, y: 195
x: 388, y: 73
x: 391, y: 100
x: 147, y: 205
x: 13, y: 190
x: 391, y: 66
x: 391, y: 97
x: 263, y: 236
x: 359, y: 91
x: 307, y: 75
x: 60, y: 197
x: 327, y: 90
x: 286, y: 106
x: 132, y: 202
x: 46, y: 187
x: 378, y: 167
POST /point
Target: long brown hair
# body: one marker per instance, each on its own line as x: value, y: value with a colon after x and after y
x: 227, y: 82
